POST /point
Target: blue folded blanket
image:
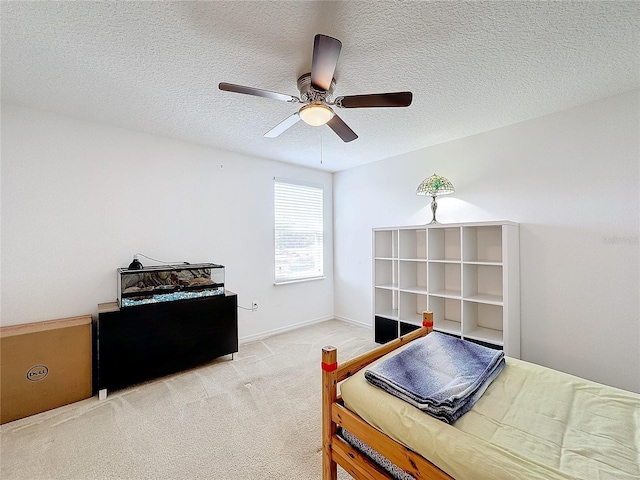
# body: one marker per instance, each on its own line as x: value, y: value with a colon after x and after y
x: 441, y: 375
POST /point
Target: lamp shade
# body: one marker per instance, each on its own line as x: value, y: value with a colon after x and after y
x: 434, y: 186
x: 315, y: 114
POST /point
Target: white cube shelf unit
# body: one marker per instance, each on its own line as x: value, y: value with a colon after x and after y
x: 467, y: 274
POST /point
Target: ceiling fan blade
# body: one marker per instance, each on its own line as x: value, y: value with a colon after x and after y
x: 342, y: 129
x: 230, y: 87
x: 282, y: 126
x: 326, y: 51
x: 397, y: 99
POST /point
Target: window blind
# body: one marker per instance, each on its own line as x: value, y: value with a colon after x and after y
x: 299, y: 225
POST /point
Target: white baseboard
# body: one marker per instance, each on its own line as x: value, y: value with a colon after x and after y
x: 353, y: 322
x: 275, y: 331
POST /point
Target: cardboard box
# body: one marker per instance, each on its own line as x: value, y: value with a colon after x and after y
x: 44, y: 365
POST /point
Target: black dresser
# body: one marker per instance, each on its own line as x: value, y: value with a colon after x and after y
x: 142, y: 342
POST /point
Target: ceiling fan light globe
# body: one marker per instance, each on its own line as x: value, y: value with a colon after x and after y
x: 315, y: 114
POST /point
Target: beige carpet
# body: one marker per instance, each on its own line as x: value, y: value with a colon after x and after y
x: 256, y: 417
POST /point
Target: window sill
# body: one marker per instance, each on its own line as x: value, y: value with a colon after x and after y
x: 287, y: 282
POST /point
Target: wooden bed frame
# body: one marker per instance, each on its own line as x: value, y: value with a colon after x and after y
x: 335, y: 450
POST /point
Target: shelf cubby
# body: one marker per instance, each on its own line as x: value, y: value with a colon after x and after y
x: 447, y: 316
x: 482, y: 244
x: 413, y: 276
x: 386, y: 273
x: 411, y: 307
x: 386, y: 303
x: 483, y: 283
x: 483, y: 322
x: 444, y: 279
x: 412, y: 244
x: 386, y: 244
x: 444, y: 244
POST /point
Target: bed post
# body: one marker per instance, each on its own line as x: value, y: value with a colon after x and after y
x: 329, y: 366
x: 427, y: 321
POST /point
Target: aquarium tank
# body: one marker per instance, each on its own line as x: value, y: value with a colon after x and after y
x: 166, y: 283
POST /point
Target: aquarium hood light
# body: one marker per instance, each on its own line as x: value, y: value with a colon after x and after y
x: 136, y: 264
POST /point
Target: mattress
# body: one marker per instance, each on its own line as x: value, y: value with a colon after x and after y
x: 532, y: 422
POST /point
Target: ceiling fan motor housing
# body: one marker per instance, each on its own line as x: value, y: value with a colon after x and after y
x: 311, y: 95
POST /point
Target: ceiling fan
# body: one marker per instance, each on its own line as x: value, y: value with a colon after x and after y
x: 316, y: 90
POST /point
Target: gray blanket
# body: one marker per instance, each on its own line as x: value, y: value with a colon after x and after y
x: 441, y: 375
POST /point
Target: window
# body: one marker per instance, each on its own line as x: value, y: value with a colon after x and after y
x: 298, y: 208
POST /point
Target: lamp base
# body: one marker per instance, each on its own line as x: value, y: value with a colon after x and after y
x: 434, y: 206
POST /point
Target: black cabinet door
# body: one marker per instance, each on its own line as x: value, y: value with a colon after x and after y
x: 407, y: 328
x: 207, y: 333
x: 143, y: 342
x: 134, y: 344
x: 385, y: 329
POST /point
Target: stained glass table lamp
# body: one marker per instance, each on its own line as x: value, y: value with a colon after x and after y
x: 435, y: 186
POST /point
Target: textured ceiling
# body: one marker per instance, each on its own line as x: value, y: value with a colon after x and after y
x: 472, y: 67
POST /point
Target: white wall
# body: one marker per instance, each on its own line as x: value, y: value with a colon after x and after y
x: 79, y: 199
x: 572, y: 180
